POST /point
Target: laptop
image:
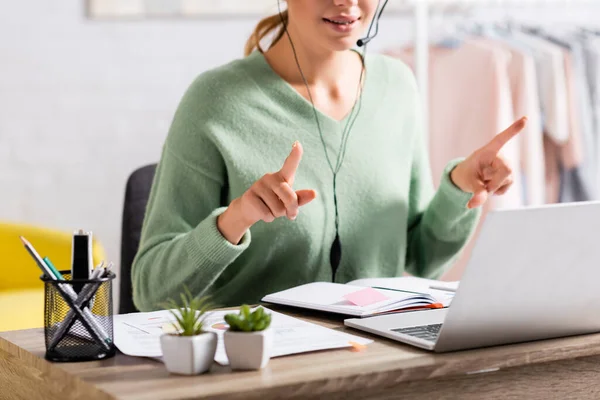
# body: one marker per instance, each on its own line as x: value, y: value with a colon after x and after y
x: 534, y: 274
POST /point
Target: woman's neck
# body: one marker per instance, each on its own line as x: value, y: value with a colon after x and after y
x: 321, y: 67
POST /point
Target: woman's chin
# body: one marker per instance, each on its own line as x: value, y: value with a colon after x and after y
x: 342, y: 44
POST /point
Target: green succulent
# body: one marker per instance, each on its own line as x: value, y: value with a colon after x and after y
x: 247, y: 321
x: 190, y: 313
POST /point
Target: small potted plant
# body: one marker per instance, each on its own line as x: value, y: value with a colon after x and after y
x: 189, y: 350
x: 249, y: 338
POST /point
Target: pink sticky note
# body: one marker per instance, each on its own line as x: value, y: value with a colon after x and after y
x: 365, y: 297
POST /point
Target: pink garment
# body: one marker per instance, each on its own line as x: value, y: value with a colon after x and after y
x: 552, y: 156
x: 571, y: 152
x: 470, y: 103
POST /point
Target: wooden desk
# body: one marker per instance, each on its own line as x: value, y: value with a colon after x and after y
x: 563, y: 369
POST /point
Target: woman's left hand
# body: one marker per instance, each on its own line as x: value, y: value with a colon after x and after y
x: 485, y: 172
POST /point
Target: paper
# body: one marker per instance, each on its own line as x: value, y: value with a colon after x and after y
x: 134, y: 341
x: 365, y: 297
x: 139, y: 334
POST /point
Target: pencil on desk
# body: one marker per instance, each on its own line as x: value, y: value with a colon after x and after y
x: 38, y: 260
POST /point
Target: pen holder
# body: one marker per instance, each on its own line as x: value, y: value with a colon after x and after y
x: 78, y: 325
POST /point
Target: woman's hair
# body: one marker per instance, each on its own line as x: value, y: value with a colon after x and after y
x: 265, y: 27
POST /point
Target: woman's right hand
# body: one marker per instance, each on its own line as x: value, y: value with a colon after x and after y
x: 269, y: 198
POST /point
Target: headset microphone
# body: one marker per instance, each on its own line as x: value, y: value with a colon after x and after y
x: 376, y: 18
x: 364, y: 41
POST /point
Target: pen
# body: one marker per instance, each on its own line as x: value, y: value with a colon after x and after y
x: 57, y: 274
x: 109, y: 268
x: 100, y: 265
x: 443, y: 288
x: 102, y: 272
x: 68, y: 291
x: 399, y: 290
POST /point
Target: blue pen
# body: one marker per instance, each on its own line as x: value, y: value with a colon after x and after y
x: 57, y: 274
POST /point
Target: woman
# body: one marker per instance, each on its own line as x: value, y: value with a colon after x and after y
x: 302, y: 163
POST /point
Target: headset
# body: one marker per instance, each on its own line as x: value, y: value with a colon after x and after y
x: 336, y: 247
x: 362, y: 42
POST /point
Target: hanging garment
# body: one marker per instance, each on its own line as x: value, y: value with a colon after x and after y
x: 550, y: 67
x: 552, y: 167
x: 591, y: 51
x: 525, y: 101
x: 576, y: 160
x: 584, y: 101
x: 577, y: 170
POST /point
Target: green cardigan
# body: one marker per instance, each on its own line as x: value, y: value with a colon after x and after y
x: 238, y: 122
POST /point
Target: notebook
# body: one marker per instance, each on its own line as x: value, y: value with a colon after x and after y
x: 365, y: 297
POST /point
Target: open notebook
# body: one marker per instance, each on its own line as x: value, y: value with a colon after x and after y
x: 366, y: 297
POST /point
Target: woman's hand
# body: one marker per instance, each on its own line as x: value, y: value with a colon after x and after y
x: 268, y: 198
x: 272, y: 195
x: 485, y: 172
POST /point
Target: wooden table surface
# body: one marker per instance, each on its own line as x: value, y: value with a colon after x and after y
x: 560, y: 368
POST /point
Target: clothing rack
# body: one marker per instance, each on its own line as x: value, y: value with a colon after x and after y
x: 422, y: 9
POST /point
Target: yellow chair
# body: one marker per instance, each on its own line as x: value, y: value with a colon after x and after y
x: 21, y: 289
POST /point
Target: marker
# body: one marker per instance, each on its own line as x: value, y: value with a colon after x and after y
x: 81, y: 257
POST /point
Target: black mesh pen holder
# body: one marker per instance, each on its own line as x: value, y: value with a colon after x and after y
x: 78, y: 318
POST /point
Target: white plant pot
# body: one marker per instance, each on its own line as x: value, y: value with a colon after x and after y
x: 188, y: 355
x: 248, y: 350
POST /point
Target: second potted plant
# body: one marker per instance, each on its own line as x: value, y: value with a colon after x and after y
x: 189, y: 350
x: 249, y: 339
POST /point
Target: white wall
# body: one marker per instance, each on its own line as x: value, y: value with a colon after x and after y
x: 84, y: 103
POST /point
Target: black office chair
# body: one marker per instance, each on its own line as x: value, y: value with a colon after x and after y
x: 137, y: 192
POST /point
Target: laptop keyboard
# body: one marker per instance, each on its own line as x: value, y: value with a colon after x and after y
x: 426, y: 332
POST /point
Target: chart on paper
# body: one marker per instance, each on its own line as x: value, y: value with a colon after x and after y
x: 139, y: 334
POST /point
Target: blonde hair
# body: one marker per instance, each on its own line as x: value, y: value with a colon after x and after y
x: 265, y: 27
